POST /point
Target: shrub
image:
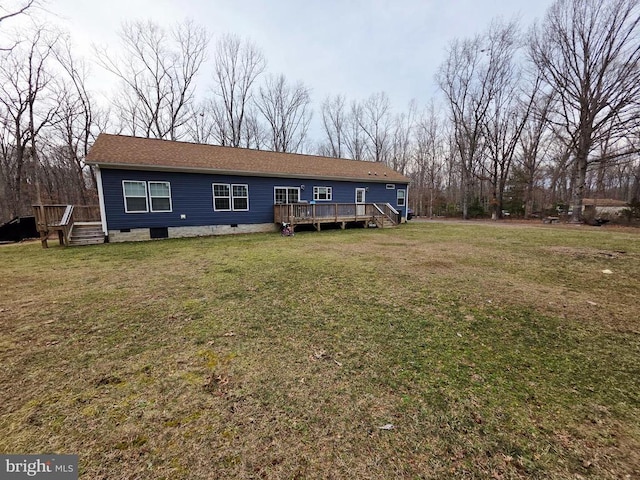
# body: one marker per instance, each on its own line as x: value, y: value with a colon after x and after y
x: 476, y: 209
x: 632, y: 212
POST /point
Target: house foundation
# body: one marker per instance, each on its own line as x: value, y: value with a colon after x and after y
x: 142, y: 234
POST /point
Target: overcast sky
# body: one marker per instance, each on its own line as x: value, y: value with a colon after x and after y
x: 351, y: 47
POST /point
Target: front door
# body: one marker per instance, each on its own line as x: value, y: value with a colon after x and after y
x: 361, y: 194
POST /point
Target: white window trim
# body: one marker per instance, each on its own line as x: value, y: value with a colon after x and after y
x: 125, y: 196
x: 329, y: 194
x: 284, y: 188
x: 233, y: 197
x: 391, y: 186
x: 404, y: 197
x: 168, y: 184
x: 213, y: 191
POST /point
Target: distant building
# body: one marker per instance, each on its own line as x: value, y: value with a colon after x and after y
x: 602, y: 206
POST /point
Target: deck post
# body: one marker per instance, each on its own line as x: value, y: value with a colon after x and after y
x: 42, y: 224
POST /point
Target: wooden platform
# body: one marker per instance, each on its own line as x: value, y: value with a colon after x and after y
x: 367, y: 214
x: 75, y: 224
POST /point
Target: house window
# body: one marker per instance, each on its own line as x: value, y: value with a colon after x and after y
x: 230, y: 197
x: 221, y: 197
x: 240, y: 197
x: 160, y: 196
x: 286, y: 195
x: 401, y: 197
x: 391, y: 186
x: 322, y: 193
x: 135, y: 196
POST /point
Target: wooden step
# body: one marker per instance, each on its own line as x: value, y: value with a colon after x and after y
x: 86, y: 241
x: 86, y: 234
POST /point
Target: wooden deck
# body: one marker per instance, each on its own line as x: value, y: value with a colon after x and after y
x: 367, y: 214
x: 62, y: 218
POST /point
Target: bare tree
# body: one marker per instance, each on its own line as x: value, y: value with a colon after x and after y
x: 237, y: 66
x: 534, y: 144
x: 468, y: 80
x: 509, y: 109
x: 157, y: 70
x: 26, y: 99
x: 7, y: 163
x: 201, y: 126
x: 452, y: 163
x: 79, y: 121
x: 401, y: 139
x: 374, y: 118
x: 7, y: 12
x: 427, y: 161
x: 287, y: 110
x: 334, y: 124
x: 221, y: 128
x: 634, y: 191
x: 12, y: 10
x: 208, y: 125
x: 355, y: 139
x: 254, y: 134
x: 589, y: 55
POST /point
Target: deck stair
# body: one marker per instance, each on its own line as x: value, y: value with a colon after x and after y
x: 386, y: 216
x: 86, y: 233
x: 74, y: 224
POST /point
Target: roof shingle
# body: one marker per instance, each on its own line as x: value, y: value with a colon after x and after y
x: 119, y: 151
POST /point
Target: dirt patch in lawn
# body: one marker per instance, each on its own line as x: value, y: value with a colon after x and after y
x: 579, y: 253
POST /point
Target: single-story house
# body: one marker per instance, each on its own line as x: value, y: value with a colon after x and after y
x: 150, y: 188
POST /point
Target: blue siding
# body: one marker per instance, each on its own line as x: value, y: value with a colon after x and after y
x: 191, y: 195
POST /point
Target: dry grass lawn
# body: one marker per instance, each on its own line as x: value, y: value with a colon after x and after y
x: 427, y: 351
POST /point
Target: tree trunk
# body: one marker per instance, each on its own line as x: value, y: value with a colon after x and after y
x: 528, y: 199
x: 577, y: 193
x: 465, y: 197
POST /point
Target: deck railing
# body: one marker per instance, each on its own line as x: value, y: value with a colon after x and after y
x: 389, y: 214
x: 86, y: 213
x: 60, y: 218
x: 310, y: 213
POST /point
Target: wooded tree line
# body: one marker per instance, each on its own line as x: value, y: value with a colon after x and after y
x: 549, y: 115
x: 529, y: 118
